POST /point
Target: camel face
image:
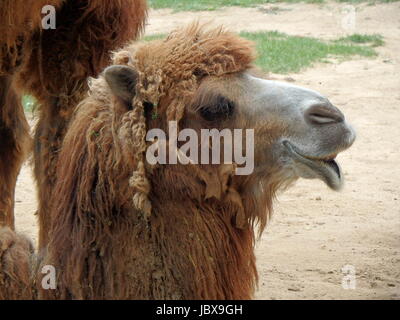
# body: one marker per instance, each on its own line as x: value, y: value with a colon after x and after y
x: 298, y: 132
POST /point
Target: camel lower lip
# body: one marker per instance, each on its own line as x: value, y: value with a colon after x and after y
x: 325, y: 168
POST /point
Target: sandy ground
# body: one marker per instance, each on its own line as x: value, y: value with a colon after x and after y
x: 315, y: 232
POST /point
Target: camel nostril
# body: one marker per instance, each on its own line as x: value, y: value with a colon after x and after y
x: 320, y: 114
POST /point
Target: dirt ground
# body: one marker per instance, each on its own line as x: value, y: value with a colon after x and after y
x: 316, y: 232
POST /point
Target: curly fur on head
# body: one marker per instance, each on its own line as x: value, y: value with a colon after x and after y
x: 173, y: 67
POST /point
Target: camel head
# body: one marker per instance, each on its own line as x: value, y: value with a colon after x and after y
x: 204, y: 80
x: 297, y: 131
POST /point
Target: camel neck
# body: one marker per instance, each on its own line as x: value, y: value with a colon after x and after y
x: 199, y: 253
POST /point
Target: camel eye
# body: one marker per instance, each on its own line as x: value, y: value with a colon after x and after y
x: 218, y: 110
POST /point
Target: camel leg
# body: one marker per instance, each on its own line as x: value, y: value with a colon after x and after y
x: 48, y: 137
x: 14, y: 147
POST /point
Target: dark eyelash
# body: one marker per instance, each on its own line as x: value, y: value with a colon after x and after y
x: 221, y: 109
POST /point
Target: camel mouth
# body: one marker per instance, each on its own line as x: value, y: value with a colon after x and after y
x: 325, y: 168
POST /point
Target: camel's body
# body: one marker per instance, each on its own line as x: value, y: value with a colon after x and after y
x: 53, y: 66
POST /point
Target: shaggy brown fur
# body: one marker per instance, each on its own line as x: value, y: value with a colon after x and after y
x: 123, y: 229
x: 53, y: 65
x: 16, y: 260
x: 19, y: 18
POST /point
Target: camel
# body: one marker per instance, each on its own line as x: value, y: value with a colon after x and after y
x: 124, y: 228
x: 53, y: 65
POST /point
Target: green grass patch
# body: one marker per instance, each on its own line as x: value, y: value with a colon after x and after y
x: 374, y: 40
x: 209, y: 5
x: 281, y: 53
x: 154, y: 37
x: 29, y: 103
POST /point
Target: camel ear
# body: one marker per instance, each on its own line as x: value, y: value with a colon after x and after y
x: 122, y: 81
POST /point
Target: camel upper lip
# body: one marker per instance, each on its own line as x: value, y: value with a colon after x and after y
x: 324, y: 166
